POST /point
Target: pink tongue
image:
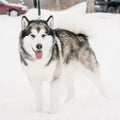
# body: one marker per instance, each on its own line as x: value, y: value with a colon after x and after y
x: 38, y: 54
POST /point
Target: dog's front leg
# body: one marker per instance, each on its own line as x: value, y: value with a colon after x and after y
x: 70, y: 88
x: 55, y: 95
x: 37, y: 87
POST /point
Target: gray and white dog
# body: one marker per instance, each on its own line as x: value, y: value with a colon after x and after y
x: 55, y: 55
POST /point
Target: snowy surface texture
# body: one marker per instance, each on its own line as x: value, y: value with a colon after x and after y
x: 16, y: 98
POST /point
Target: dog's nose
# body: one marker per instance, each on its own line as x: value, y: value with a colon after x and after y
x: 39, y: 46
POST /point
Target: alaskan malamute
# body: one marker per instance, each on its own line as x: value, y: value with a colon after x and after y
x: 54, y: 55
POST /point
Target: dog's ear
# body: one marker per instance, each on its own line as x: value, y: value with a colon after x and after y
x: 24, y: 22
x: 50, y: 21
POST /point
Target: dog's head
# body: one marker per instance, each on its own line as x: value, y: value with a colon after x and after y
x: 37, y: 37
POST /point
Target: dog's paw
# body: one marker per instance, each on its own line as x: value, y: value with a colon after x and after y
x: 53, y: 110
x: 38, y: 109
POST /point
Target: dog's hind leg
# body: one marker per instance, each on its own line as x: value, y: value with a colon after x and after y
x: 70, y: 89
x: 95, y: 78
x: 100, y: 87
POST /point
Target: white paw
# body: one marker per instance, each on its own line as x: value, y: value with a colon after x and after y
x: 39, y: 109
x: 53, y: 110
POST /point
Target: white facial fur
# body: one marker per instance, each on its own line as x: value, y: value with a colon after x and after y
x: 35, y: 38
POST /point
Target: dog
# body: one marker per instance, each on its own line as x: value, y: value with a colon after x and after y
x: 55, y: 55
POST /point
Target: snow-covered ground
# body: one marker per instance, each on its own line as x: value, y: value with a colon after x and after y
x: 16, y: 98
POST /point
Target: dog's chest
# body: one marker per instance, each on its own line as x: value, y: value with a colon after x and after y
x: 37, y: 71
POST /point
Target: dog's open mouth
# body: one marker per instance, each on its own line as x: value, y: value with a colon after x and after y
x: 38, y: 54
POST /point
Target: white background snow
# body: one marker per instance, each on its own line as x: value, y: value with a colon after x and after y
x: 16, y: 98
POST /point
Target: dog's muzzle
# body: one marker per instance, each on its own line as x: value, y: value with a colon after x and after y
x: 38, y: 52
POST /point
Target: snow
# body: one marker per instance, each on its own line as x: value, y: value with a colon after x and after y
x: 16, y: 98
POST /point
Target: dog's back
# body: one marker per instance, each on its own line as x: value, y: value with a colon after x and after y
x: 76, y: 47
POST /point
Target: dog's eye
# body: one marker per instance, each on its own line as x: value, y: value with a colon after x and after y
x: 33, y: 36
x: 43, y: 35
